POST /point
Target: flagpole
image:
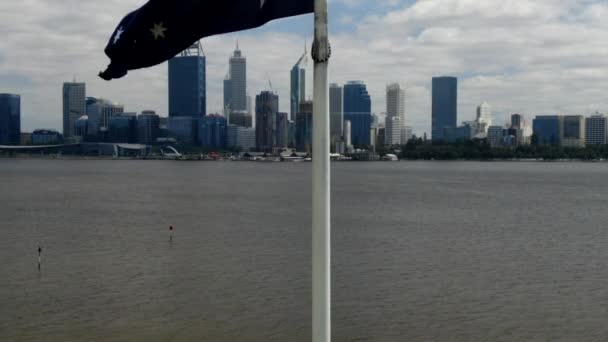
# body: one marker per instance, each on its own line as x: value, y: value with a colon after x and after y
x: 321, y: 177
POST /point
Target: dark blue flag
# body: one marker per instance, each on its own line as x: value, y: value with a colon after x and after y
x: 161, y: 29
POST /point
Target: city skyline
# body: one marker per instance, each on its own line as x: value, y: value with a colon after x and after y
x: 533, y: 70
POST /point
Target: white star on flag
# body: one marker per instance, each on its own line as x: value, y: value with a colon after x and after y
x: 118, y: 34
x: 158, y: 31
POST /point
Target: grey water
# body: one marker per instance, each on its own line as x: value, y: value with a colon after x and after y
x: 422, y: 251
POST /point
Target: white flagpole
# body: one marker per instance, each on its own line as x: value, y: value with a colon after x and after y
x: 321, y: 219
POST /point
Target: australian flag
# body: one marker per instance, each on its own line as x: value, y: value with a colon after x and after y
x: 161, y: 29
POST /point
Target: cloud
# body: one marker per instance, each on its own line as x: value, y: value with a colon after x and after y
x: 525, y: 56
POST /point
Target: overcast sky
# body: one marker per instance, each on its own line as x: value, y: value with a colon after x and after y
x: 525, y: 56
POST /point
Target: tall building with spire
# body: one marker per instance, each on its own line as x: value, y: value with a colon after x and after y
x: 235, y: 84
x: 74, y: 106
x: 187, y: 83
x: 298, y: 84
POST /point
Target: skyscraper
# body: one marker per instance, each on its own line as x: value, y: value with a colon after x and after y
x: 573, y: 132
x: 235, y: 84
x: 484, y: 116
x: 187, y: 83
x: 358, y: 110
x: 445, y: 104
x: 74, y: 106
x: 213, y: 131
x: 395, y: 108
x: 548, y: 129
x: 266, y: 108
x: 517, y: 121
x: 336, y: 112
x: 148, y: 127
x: 596, y: 130
x: 298, y: 85
x: 10, y: 119
x: 282, y: 130
x: 304, y: 127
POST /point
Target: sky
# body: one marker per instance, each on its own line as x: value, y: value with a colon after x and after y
x: 521, y: 56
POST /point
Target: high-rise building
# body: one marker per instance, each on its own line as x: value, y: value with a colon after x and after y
x: 304, y: 127
x: 395, y: 108
x: 240, y: 118
x: 183, y: 128
x: 148, y: 127
x: 517, y: 121
x: 347, y: 133
x: 298, y: 85
x: 74, y: 106
x: 266, y: 108
x: 484, y: 117
x: 123, y: 128
x: 187, y: 83
x: 596, y: 130
x: 336, y: 112
x: 573, y: 132
x: 496, y: 135
x: 10, y: 119
x: 548, y: 129
x: 445, y: 104
x: 282, y: 130
x: 235, y: 84
x: 392, y: 132
x: 212, y: 131
x: 242, y: 137
x: 358, y: 110
x: 99, y: 112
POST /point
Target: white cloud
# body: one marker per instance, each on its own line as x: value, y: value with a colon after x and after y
x: 525, y: 56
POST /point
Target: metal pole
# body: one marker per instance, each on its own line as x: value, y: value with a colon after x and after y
x: 321, y: 230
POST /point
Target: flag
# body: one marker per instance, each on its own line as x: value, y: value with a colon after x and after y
x: 161, y: 29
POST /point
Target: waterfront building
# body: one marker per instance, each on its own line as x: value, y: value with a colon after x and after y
x: 235, y: 84
x: 304, y: 127
x: 187, y: 83
x: 548, y: 129
x: 183, y: 129
x: 496, y: 135
x: 99, y: 112
x: 242, y: 137
x: 298, y: 85
x: 395, y: 108
x: 381, y: 138
x: 573, y: 131
x: 358, y: 110
x: 82, y: 125
x: 444, y: 105
x: 336, y: 112
x: 407, y: 134
x: 596, y: 130
x: 347, y: 133
x: 10, y: 119
x: 517, y: 121
x: 26, y: 138
x: 484, y: 117
x: 74, y: 106
x: 148, y: 127
x: 213, y: 131
x: 393, y: 130
x: 266, y: 108
x: 282, y: 130
x: 465, y: 132
x: 240, y: 118
x: 46, y: 137
x: 123, y: 128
